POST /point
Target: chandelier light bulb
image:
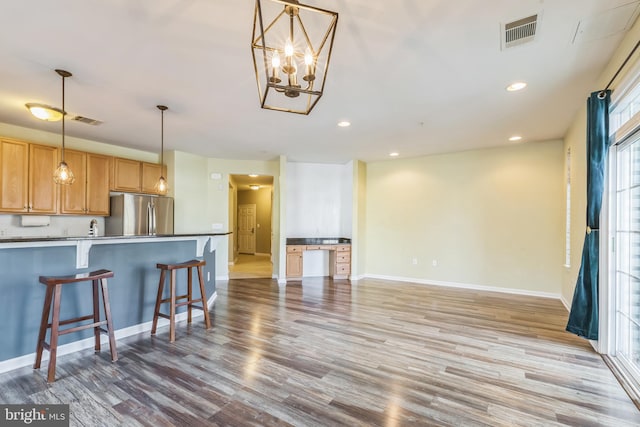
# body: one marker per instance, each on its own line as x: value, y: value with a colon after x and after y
x: 275, y: 60
x: 308, y: 57
x: 288, y: 48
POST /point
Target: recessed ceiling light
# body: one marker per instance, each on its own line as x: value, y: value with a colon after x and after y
x: 394, y: 154
x: 513, y: 87
x: 515, y: 138
x: 253, y: 175
x: 344, y: 124
x: 254, y: 187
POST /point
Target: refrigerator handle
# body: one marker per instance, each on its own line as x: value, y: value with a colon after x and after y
x: 148, y: 218
x: 153, y: 218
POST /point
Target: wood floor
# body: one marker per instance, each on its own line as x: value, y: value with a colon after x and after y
x: 325, y: 353
x: 251, y: 267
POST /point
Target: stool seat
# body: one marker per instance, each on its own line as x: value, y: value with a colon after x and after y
x: 186, y: 264
x: 173, y: 298
x: 81, y: 277
x: 51, y: 308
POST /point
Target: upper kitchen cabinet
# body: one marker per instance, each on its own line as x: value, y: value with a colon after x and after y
x: 126, y: 175
x: 27, y: 177
x: 134, y: 176
x: 89, y: 194
x: 151, y: 172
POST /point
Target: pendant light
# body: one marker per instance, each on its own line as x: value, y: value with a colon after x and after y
x: 63, y: 174
x: 161, y: 185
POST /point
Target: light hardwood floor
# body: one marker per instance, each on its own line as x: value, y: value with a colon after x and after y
x: 251, y: 267
x: 326, y: 353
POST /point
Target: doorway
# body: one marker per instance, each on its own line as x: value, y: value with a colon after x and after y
x: 252, y: 214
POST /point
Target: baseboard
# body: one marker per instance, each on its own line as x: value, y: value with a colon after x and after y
x: 565, y: 303
x: 281, y: 281
x: 28, y: 359
x: 465, y: 286
x: 262, y: 254
x: 225, y: 277
x: 356, y: 278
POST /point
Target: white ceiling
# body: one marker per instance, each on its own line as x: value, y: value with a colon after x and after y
x: 414, y: 76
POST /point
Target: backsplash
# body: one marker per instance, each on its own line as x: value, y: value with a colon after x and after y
x: 10, y: 226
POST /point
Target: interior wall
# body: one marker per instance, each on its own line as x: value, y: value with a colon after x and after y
x: 262, y: 199
x: 319, y: 200
x: 576, y: 140
x: 480, y: 218
x: 232, y: 240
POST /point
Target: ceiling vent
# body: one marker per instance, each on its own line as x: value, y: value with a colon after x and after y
x: 519, y: 32
x: 86, y: 120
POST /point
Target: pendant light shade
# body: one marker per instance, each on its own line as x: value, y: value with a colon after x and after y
x: 63, y: 174
x: 161, y: 186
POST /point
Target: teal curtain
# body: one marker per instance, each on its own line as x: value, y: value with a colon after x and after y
x: 583, y: 318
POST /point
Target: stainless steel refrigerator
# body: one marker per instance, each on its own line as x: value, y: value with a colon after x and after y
x: 135, y: 214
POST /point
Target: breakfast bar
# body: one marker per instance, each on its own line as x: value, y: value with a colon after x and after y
x: 132, y: 289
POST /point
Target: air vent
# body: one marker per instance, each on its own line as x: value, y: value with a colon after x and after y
x: 519, y: 32
x: 86, y: 120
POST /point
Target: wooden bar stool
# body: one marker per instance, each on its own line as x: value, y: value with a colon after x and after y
x: 173, y: 297
x: 53, y: 295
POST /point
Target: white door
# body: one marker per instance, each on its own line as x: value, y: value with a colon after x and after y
x: 247, y: 229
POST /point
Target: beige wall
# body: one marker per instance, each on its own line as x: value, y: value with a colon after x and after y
x: 487, y: 217
x: 359, y: 227
x: 262, y: 199
x: 576, y: 139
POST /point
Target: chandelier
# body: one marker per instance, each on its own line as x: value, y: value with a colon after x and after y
x: 291, y: 47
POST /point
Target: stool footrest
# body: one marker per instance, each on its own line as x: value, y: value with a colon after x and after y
x: 179, y: 297
x: 166, y: 316
x: 180, y: 304
x: 77, y: 319
x: 81, y: 328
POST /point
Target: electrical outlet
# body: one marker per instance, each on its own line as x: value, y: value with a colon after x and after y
x: 208, y: 276
x: 434, y: 262
x: 414, y: 261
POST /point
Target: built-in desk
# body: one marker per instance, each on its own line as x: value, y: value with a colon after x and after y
x: 339, y: 256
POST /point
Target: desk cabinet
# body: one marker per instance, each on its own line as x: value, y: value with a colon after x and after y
x: 340, y: 259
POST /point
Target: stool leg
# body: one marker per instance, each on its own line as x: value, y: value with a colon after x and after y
x: 96, y: 315
x: 44, y: 324
x: 172, y: 309
x: 203, y: 294
x: 158, y: 298
x: 107, y: 315
x: 53, y: 345
x: 189, y: 293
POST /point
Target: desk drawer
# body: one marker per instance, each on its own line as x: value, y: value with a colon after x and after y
x: 343, y: 248
x: 343, y: 257
x: 295, y: 248
x: 343, y: 268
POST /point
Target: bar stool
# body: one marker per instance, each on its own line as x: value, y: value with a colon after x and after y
x: 53, y: 296
x: 173, y: 297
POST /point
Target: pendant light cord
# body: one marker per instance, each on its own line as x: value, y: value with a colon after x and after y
x: 161, y: 140
x: 64, y: 113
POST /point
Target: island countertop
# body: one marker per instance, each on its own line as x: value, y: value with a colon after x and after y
x: 27, y: 239
x: 83, y: 244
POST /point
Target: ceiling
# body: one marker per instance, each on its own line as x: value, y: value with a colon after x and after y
x: 413, y: 76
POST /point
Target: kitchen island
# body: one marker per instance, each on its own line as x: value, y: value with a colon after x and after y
x: 132, y: 290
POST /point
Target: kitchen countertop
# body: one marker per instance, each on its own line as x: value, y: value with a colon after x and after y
x: 318, y: 241
x: 18, y: 239
x: 83, y: 244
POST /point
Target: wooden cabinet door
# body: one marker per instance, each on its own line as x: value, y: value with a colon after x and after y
x: 72, y: 197
x: 43, y: 194
x: 14, y: 175
x: 97, y: 184
x: 150, y: 174
x: 294, y: 265
x: 126, y: 175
